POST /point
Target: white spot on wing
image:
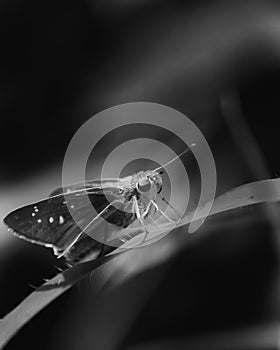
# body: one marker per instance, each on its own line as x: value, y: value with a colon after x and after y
x: 39, y: 221
x: 61, y: 219
x: 33, y: 214
x: 51, y: 219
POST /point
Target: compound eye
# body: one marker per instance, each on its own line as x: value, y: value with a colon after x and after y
x: 144, y: 188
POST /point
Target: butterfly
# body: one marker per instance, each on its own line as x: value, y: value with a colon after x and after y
x: 117, y: 203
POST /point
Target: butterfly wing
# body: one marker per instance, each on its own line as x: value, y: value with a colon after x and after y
x: 50, y: 223
x: 107, y: 184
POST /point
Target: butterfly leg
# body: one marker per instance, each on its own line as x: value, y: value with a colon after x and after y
x: 174, y: 210
x: 162, y: 213
x: 84, y: 230
x: 140, y: 217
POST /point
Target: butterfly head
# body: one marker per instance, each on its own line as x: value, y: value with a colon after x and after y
x: 149, y: 182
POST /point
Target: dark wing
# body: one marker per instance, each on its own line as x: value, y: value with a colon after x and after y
x: 50, y: 223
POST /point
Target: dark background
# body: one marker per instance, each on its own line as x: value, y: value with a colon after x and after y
x: 218, y: 62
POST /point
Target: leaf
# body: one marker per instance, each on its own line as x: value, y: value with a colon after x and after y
x: 42, y: 296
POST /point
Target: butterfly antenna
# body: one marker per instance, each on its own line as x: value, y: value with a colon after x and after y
x: 178, y: 156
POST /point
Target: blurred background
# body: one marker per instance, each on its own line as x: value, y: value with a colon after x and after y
x: 218, y: 62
